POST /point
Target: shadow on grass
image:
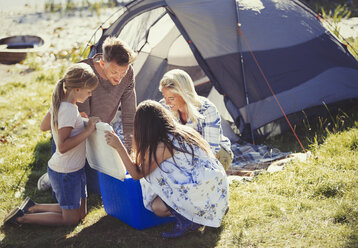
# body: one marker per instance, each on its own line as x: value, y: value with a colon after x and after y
x: 42, y: 153
x: 353, y: 241
x: 111, y: 232
x: 34, y: 235
x: 106, y: 232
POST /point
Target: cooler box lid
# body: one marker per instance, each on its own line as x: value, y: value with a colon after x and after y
x: 103, y: 157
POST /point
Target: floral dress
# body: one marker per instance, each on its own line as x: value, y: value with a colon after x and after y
x: 197, y: 189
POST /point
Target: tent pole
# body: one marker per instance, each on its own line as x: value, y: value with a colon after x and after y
x: 207, y: 70
x: 243, y: 76
x: 195, y: 52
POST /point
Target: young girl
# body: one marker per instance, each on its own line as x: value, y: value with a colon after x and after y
x: 180, y: 175
x: 66, y: 166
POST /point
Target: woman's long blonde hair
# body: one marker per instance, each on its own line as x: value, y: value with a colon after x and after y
x: 80, y: 76
x: 179, y: 82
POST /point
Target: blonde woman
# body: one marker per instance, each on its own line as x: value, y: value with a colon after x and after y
x: 66, y: 166
x: 196, y: 111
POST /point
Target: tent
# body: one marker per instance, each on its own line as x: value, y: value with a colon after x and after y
x: 264, y: 58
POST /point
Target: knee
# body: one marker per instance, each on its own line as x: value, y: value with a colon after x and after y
x: 156, y: 209
x: 160, y: 210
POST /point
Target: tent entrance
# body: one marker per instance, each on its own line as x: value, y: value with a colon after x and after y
x: 161, y: 47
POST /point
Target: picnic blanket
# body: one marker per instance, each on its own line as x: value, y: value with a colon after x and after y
x: 246, y: 155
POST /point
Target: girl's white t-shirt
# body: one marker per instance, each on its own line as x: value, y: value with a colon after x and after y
x: 74, y: 159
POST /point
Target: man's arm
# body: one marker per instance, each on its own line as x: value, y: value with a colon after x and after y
x: 128, y: 108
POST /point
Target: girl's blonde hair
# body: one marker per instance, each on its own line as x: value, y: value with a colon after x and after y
x: 77, y: 76
x: 179, y: 82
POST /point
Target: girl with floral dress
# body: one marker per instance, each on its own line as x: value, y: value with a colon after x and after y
x: 178, y: 172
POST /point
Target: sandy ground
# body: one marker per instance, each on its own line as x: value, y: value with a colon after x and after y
x: 349, y: 27
x: 62, y: 32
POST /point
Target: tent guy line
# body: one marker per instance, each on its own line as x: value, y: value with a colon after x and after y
x: 269, y: 86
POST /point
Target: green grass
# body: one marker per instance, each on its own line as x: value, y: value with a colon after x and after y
x: 70, y: 6
x: 331, y: 5
x: 333, y: 12
x: 309, y: 204
x: 314, y: 129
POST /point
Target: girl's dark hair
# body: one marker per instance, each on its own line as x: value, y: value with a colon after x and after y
x: 153, y: 124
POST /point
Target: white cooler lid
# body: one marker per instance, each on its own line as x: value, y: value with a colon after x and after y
x: 103, y: 157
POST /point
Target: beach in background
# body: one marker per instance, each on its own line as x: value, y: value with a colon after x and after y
x: 63, y: 32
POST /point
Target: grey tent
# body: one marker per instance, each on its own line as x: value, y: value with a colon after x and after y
x: 263, y: 57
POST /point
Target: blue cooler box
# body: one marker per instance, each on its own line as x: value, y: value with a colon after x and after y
x: 124, y: 201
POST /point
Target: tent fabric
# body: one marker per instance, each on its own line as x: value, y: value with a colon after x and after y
x: 239, y: 47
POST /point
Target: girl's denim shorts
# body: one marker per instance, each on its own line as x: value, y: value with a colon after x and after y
x: 69, y: 188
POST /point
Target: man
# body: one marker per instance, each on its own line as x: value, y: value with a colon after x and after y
x: 115, y: 90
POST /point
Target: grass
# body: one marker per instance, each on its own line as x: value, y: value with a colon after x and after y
x: 315, y: 127
x: 309, y: 204
x: 331, y: 6
x: 333, y: 12
x: 70, y: 6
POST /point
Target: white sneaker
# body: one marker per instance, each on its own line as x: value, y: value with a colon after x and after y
x: 43, y: 183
